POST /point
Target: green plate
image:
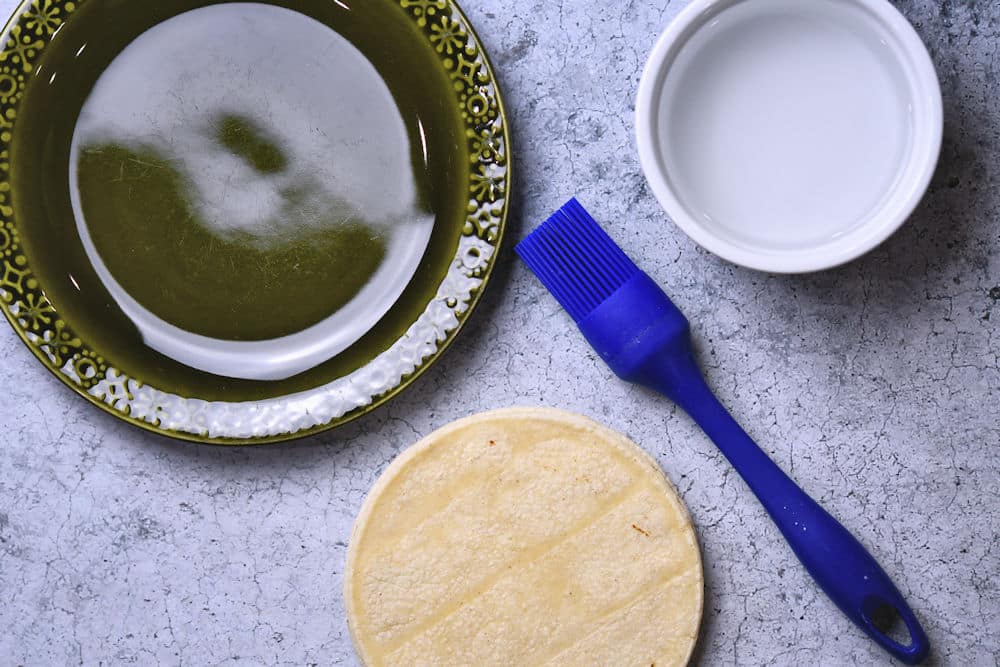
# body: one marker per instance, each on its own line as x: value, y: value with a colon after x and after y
x: 243, y: 222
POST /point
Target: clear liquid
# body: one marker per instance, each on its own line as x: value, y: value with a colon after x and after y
x: 785, y: 123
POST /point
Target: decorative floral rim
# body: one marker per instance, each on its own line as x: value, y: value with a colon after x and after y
x: 94, y: 375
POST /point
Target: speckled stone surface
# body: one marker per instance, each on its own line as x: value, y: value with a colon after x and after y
x: 875, y: 385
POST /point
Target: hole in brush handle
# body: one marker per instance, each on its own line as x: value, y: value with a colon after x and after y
x: 887, y: 620
x: 895, y: 627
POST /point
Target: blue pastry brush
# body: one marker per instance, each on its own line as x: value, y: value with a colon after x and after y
x: 645, y: 339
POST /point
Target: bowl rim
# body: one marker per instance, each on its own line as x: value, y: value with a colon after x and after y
x: 920, y: 163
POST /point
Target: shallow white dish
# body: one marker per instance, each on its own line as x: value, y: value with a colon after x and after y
x: 789, y: 136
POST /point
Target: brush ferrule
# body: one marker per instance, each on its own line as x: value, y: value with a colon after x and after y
x: 643, y: 337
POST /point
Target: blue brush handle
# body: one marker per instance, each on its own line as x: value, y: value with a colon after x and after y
x: 655, y: 350
x: 834, y: 558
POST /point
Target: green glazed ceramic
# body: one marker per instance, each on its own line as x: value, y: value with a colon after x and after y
x: 242, y: 222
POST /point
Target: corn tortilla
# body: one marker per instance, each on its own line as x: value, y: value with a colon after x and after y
x: 524, y: 536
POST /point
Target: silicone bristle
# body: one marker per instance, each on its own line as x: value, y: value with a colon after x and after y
x: 576, y: 260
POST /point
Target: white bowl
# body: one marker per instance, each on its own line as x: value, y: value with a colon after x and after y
x: 789, y: 136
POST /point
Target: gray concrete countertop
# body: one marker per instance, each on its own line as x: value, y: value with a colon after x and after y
x: 875, y: 385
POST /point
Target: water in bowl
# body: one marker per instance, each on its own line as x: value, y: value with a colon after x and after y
x: 785, y: 124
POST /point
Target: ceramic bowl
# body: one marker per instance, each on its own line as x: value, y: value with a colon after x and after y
x: 789, y: 136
